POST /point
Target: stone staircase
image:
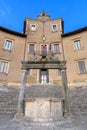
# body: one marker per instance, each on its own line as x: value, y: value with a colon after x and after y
x: 44, y: 90
x: 8, y: 101
x: 78, y: 100
x: 9, y: 98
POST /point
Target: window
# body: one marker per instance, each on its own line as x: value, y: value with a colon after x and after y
x: 8, y: 45
x: 43, y: 49
x: 3, y: 67
x: 31, y: 48
x: 82, y: 67
x: 33, y: 27
x: 54, y: 27
x: 56, y: 48
x: 44, y: 78
x: 77, y: 45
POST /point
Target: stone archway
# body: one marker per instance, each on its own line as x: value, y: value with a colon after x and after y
x: 40, y: 64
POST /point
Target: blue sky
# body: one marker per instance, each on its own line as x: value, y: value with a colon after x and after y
x: 14, y: 12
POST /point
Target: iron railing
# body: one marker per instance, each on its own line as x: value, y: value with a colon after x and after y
x: 43, y: 53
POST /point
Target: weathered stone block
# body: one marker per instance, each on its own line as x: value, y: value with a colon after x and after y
x: 39, y: 109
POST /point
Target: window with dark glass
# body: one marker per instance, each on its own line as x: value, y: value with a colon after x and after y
x: 56, y: 48
x: 8, y: 45
x: 77, y: 45
x: 82, y: 67
x: 54, y: 27
x: 31, y: 48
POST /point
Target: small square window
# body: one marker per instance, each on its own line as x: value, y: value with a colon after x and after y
x: 77, y: 45
x: 33, y: 27
x: 54, y: 27
x: 8, y: 45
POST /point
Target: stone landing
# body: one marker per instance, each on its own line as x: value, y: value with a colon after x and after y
x: 43, y: 109
x: 44, y: 103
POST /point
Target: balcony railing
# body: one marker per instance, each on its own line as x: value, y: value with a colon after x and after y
x: 43, y: 53
x: 47, y: 54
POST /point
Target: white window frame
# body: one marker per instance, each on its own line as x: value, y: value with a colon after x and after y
x: 54, y: 29
x: 33, y: 27
x: 29, y: 48
x: 8, y: 45
x: 82, y: 67
x: 4, y: 66
x: 59, y: 51
x: 77, y: 45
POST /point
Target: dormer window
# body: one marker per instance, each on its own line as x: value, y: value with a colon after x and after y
x: 54, y: 27
x: 33, y: 27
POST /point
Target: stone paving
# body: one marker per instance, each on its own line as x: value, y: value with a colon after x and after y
x: 73, y: 123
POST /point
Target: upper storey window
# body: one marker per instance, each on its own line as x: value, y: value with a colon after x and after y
x: 54, y: 27
x: 8, y: 45
x: 3, y: 67
x: 33, y: 27
x: 56, y: 48
x: 31, y: 48
x: 77, y: 45
x: 82, y: 67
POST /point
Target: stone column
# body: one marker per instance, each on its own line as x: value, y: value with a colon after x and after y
x: 65, y: 87
x: 22, y: 93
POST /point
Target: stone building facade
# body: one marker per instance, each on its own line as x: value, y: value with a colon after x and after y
x: 43, y: 35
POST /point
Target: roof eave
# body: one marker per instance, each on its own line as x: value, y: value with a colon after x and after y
x: 75, y: 32
x: 12, y: 32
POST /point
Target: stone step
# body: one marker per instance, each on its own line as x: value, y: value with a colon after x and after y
x: 78, y: 100
x: 8, y: 101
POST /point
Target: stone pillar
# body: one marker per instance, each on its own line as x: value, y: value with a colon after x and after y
x: 22, y: 93
x: 65, y: 87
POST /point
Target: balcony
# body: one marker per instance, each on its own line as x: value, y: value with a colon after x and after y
x: 44, y: 55
x: 41, y: 53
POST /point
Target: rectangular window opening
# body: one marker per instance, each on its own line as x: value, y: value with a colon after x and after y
x: 3, y: 67
x: 44, y: 78
x: 31, y: 48
x: 54, y: 27
x: 8, y: 45
x: 77, y: 45
x: 33, y: 27
x: 56, y: 48
x: 82, y: 67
